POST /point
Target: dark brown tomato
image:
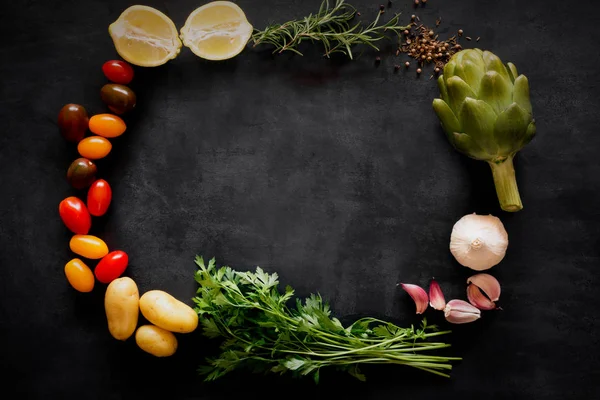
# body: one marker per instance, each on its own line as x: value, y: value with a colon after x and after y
x: 120, y: 99
x: 81, y: 173
x: 73, y: 122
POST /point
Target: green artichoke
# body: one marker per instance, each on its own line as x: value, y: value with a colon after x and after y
x: 486, y: 114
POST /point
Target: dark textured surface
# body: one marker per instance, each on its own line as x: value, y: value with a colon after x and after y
x: 335, y: 174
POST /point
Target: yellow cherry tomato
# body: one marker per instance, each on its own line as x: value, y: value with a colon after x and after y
x: 107, y: 125
x: 79, y: 275
x: 94, y: 147
x: 88, y: 246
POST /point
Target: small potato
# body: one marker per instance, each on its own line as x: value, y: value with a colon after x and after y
x: 121, y: 303
x: 165, y: 311
x: 156, y: 341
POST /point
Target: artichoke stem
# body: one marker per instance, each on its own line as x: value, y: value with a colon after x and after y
x: 506, y: 185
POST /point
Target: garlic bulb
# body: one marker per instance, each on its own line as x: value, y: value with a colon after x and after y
x: 478, y: 241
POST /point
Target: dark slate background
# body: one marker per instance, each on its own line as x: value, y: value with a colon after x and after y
x: 333, y: 173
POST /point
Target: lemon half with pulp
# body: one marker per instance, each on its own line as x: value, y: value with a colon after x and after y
x: 216, y: 31
x: 145, y: 36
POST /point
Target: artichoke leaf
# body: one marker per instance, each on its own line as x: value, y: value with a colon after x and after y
x: 529, y: 134
x: 476, y: 57
x: 443, y: 89
x: 512, y: 70
x: 521, y: 93
x: 493, y: 63
x: 458, y: 91
x: 459, y: 72
x: 449, y: 70
x: 496, y: 91
x: 457, y: 58
x: 466, y: 145
x: 477, y: 119
x: 447, y: 118
x: 472, y: 74
x: 511, y: 128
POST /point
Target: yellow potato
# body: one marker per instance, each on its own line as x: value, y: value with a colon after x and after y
x: 165, y: 311
x: 156, y: 341
x: 121, y: 303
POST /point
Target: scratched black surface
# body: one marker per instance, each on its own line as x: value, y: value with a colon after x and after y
x: 335, y: 174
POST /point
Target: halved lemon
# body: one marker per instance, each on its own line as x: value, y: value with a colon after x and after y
x: 145, y: 36
x: 216, y: 31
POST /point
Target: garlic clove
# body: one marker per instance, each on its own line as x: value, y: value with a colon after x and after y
x: 461, y: 312
x: 478, y: 241
x: 418, y: 294
x: 488, y: 284
x: 436, y: 297
x: 478, y: 299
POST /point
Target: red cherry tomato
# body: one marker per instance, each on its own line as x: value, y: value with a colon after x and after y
x: 75, y: 215
x: 111, y: 266
x: 118, y: 71
x: 99, y: 197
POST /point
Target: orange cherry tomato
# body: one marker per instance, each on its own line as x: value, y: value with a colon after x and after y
x: 88, y: 246
x: 79, y: 275
x: 99, y: 197
x: 111, y: 266
x: 75, y: 215
x: 107, y: 125
x: 94, y: 147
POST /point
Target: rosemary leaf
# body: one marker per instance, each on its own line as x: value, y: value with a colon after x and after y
x: 332, y: 27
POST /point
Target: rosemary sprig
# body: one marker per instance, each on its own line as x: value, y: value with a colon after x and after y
x: 260, y: 332
x: 331, y: 26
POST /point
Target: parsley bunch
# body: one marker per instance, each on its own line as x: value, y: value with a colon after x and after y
x: 262, y: 333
